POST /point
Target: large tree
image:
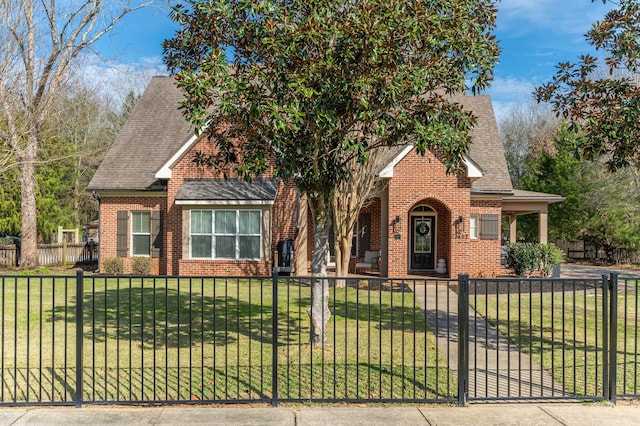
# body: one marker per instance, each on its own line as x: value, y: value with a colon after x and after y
x: 604, y: 110
x: 306, y: 86
x: 42, y: 41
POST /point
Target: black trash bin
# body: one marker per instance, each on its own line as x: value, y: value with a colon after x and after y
x: 285, y: 256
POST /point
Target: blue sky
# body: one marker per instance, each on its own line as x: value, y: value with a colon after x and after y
x: 534, y: 36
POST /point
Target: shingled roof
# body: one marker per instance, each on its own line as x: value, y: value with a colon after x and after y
x: 231, y: 191
x: 486, y: 149
x: 156, y: 130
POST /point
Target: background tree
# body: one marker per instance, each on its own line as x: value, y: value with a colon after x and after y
x: 522, y: 128
x: 552, y: 168
x: 41, y: 43
x: 306, y: 86
x: 603, y: 110
x: 75, y: 140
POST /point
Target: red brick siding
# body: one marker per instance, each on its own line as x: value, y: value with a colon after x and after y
x: 109, y: 207
x: 422, y: 180
x: 484, y: 258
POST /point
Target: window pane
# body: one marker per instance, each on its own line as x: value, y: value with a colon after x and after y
x: 225, y: 222
x: 201, y: 246
x: 141, y: 245
x: 140, y: 222
x: 250, y: 247
x: 250, y: 222
x: 201, y: 222
x: 226, y: 247
x: 473, y: 226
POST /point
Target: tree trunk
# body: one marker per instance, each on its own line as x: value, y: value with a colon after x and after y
x: 319, y: 312
x: 29, y: 231
x: 343, y: 251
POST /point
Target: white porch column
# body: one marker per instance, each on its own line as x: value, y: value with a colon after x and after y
x: 513, y: 228
x: 543, y: 228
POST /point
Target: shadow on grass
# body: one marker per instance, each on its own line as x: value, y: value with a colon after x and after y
x: 159, y: 313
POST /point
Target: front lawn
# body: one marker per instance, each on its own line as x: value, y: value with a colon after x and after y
x: 562, y: 330
x: 204, y: 339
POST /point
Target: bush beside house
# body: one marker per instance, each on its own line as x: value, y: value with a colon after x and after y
x: 526, y: 258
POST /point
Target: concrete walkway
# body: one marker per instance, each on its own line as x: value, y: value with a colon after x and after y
x: 497, y: 369
x: 477, y: 415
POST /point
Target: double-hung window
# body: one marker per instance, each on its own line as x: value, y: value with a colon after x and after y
x: 140, y: 233
x: 226, y: 234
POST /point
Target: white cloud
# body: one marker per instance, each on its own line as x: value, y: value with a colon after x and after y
x: 508, y: 92
x: 525, y: 17
x: 115, y: 80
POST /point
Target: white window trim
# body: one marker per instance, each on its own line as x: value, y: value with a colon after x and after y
x: 237, y: 235
x: 477, y: 227
x: 148, y: 214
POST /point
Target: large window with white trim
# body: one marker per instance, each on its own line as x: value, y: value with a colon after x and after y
x: 226, y: 234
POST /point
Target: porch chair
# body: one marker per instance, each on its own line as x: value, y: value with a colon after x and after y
x: 331, y: 264
x: 371, y: 261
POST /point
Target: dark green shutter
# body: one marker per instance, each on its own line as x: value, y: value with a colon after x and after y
x: 489, y: 226
x: 156, y: 233
x: 364, y: 233
x: 122, y: 233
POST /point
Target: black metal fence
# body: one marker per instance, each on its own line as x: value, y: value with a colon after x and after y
x: 121, y: 339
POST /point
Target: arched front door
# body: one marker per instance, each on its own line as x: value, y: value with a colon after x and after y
x: 423, y: 232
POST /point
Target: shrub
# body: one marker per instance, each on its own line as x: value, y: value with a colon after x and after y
x: 525, y: 258
x: 550, y: 256
x: 113, y: 266
x: 141, y: 265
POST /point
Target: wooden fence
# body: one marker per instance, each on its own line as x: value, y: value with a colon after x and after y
x: 580, y: 250
x: 53, y: 254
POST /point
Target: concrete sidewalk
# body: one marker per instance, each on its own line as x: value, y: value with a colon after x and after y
x: 495, y: 414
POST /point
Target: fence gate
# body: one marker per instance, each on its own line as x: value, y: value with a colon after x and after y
x: 537, y: 339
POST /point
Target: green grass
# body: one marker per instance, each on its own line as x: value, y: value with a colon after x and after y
x: 563, y: 332
x: 200, y: 339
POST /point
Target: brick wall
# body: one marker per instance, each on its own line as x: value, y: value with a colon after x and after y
x: 109, y: 207
x: 422, y: 180
x: 484, y: 257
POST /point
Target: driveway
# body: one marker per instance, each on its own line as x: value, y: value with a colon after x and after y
x: 571, y: 270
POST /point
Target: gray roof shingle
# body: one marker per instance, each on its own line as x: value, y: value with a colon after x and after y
x: 157, y: 129
x: 228, y: 190
x: 486, y: 149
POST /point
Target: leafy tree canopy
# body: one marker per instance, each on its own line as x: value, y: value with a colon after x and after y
x: 314, y: 83
x: 603, y: 110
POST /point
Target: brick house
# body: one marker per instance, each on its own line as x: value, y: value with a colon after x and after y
x: 155, y: 202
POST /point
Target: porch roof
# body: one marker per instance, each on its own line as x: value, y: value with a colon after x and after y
x: 227, y: 191
x: 525, y: 202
